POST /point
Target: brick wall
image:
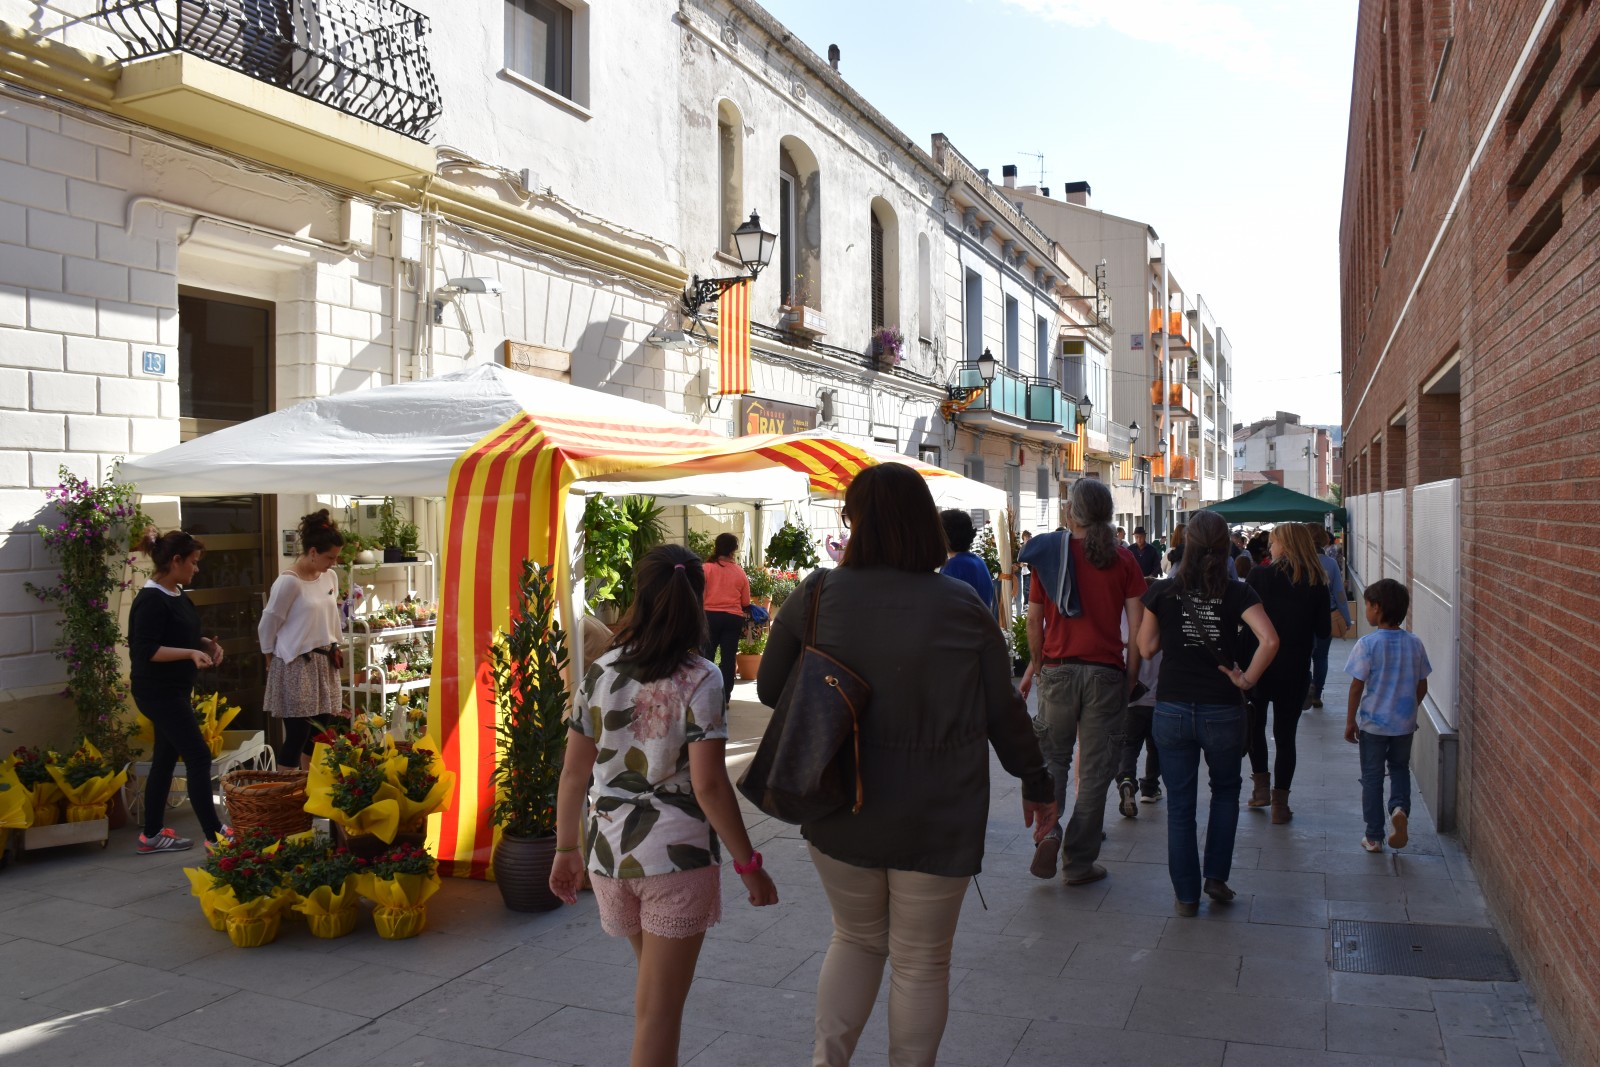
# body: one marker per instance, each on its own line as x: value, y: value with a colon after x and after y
x: 1510, y: 289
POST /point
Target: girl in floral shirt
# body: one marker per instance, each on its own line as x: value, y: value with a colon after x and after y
x: 649, y: 728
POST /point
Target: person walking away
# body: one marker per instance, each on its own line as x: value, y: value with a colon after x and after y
x: 1136, y: 734
x: 165, y: 652
x: 654, y: 706
x: 1193, y: 620
x: 1175, y: 553
x: 1389, y: 669
x: 962, y: 563
x: 1147, y: 555
x: 1085, y: 591
x: 1293, y: 588
x: 727, y: 599
x: 1336, y: 602
x: 299, y: 634
x: 895, y: 873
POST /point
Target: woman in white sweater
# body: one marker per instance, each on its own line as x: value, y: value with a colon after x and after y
x: 300, y: 637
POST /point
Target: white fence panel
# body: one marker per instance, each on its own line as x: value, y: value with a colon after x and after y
x: 1436, y: 588
x: 1394, y: 535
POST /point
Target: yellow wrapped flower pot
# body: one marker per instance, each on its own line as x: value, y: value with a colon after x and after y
x: 346, y: 785
x: 87, y: 783
x: 16, y: 803
x: 214, y: 901
x: 325, y: 895
x: 399, y: 884
x: 255, y: 922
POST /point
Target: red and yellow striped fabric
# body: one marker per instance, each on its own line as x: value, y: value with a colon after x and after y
x: 506, y: 502
x: 733, y: 339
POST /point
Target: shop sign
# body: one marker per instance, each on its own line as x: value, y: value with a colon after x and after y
x: 774, y: 416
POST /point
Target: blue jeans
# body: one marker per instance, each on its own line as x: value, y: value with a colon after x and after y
x: 1183, y: 731
x: 1378, y: 750
x: 1319, y: 664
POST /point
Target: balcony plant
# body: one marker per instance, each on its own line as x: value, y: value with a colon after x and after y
x: 888, y: 344
x: 528, y: 663
x: 95, y: 528
x: 800, y: 314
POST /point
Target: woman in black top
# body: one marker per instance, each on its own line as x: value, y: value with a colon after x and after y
x: 1194, y: 620
x: 165, y: 651
x: 1293, y: 587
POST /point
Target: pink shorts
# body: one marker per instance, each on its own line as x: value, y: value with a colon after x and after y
x: 680, y: 904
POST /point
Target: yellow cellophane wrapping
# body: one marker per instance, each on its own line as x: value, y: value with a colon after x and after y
x: 214, y: 902
x: 16, y: 803
x: 255, y: 922
x: 88, y: 801
x: 46, y: 804
x: 213, y: 723
x: 400, y: 901
x: 380, y: 818
x: 329, y: 912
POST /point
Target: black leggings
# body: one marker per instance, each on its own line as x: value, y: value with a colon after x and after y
x: 725, y: 628
x: 1287, y: 696
x: 177, y: 735
x: 297, y: 734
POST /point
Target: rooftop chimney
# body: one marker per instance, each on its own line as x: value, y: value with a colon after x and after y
x: 1044, y: 191
x: 833, y: 57
x: 1077, y: 193
x: 1009, y: 173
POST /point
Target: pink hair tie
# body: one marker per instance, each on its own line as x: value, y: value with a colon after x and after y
x: 677, y: 566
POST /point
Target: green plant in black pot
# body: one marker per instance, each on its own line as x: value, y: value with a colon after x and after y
x: 531, y: 697
x: 390, y: 528
x: 1019, y: 642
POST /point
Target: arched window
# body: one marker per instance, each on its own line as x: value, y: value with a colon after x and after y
x: 730, y: 175
x: 924, y: 287
x: 799, y: 225
x: 885, y: 265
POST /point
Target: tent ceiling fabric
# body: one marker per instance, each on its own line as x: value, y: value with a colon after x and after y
x: 1274, y: 503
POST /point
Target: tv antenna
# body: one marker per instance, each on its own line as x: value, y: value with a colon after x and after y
x: 1040, y: 157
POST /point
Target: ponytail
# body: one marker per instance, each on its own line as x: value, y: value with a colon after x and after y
x: 164, y: 548
x: 318, y: 533
x: 667, y: 622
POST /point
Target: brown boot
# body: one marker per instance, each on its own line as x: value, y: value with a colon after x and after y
x: 1260, y: 795
x: 1280, y: 807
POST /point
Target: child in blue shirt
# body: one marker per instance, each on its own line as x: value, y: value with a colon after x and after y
x: 1390, y: 670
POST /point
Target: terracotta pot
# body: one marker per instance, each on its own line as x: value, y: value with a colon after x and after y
x: 746, y: 666
x: 522, y: 871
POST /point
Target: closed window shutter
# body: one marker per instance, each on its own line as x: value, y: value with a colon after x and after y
x: 877, y: 273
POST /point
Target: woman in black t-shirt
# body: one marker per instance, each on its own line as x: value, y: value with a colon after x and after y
x: 1293, y: 587
x: 1194, y: 619
x: 165, y: 650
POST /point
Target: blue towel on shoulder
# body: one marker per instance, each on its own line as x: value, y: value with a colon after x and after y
x: 1049, y: 556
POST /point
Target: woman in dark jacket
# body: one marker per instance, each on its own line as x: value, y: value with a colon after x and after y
x: 1293, y: 588
x: 165, y: 651
x: 942, y: 693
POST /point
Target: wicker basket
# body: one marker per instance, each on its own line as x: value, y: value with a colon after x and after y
x: 273, y: 801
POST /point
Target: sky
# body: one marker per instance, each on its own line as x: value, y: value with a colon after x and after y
x: 1221, y: 123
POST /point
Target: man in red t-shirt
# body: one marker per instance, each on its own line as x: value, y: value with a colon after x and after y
x: 1085, y: 664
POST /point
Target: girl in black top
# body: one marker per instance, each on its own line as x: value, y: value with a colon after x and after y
x: 1293, y: 587
x: 166, y: 650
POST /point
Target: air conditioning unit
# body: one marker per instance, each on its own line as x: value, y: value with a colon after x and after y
x: 1072, y: 346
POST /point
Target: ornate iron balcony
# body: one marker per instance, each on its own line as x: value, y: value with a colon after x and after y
x: 367, y: 58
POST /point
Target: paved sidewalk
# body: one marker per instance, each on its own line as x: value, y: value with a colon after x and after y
x: 104, y: 959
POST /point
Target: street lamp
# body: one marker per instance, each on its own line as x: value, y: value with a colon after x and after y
x: 754, y: 246
x: 1085, y: 409
x: 959, y: 397
x: 1133, y: 450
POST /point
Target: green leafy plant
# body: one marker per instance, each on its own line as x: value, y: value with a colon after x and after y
x: 357, y: 781
x: 244, y: 864
x: 761, y: 582
x: 324, y: 868
x: 782, y: 589
x: 81, y: 766
x: 96, y: 526
x: 1019, y: 638
x: 755, y: 644
x: 607, y: 547
x: 985, y: 549
x: 701, y: 544
x: 402, y: 859
x: 648, y: 532
x: 32, y: 766
x: 531, y: 698
x: 791, y: 548
x: 390, y: 523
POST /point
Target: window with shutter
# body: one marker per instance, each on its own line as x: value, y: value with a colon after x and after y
x: 877, y: 272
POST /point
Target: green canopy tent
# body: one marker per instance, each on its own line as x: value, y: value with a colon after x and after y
x: 1274, y: 503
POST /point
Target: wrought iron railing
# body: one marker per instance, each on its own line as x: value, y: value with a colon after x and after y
x: 367, y: 58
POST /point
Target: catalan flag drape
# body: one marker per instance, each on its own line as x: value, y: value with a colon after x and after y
x: 733, y: 339
x: 506, y: 502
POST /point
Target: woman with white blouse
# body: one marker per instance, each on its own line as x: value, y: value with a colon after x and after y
x: 300, y: 637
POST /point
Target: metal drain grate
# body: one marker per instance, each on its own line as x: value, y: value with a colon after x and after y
x: 1420, y: 950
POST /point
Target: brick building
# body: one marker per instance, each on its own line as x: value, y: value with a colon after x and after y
x: 1471, y: 397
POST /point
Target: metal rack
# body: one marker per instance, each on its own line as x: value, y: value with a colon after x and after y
x: 358, y: 645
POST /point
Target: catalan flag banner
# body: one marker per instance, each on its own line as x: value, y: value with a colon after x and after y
x: 733, y: 339
x: 507, y: 502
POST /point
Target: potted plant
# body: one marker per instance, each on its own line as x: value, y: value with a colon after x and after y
x: 761, y: 585
x: 33, y: 774
x: 648, y: 532
x: 799, y: 316
x: 888, y: 344
x: 791, y: 549
x: 1019, y: 644
x: 607, y: 551
x: 323, y: 894
x: 246, y: 888
x: 399, y: 883
x: 397, y: 534
x: 747, y: 662
x: 528, y: 662
x: 94, y: 528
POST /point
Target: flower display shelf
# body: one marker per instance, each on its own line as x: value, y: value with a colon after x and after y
x: 387, y: 688
x: 363, y: 648
x: 62, y: 833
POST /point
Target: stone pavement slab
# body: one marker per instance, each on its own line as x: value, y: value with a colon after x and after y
x: 104, y: 958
